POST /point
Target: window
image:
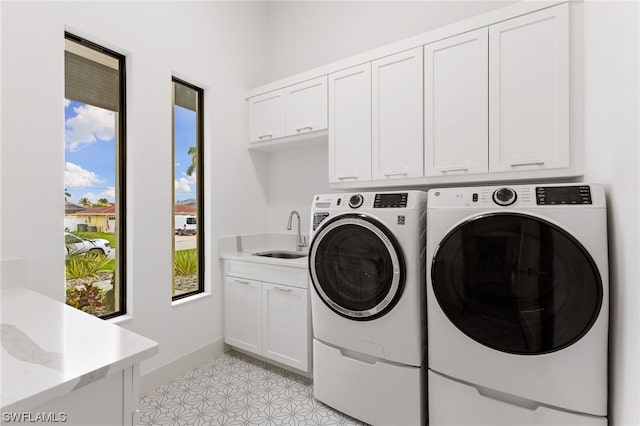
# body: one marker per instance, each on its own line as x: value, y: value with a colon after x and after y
x: 94, y: 178
x: 188, y: 160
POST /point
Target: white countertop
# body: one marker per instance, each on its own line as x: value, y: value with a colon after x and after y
x: 301, y: 262
x: 50, y: 349
x: 244, y: 247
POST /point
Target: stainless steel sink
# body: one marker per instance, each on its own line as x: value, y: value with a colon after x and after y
x: 279, y: 254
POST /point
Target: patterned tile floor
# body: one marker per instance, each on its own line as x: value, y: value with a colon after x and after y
x: 235, y: 389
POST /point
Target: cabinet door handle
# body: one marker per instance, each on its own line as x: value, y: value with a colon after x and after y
x: 347, y: 177
x: 455, y: 169
x: 528, y: 163
x: 397, y: 173
x: 241, y: 282
x: 283, y: 290
x: 300, y: 129
x: 268, y: 136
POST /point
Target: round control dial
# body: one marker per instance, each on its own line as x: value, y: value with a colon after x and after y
x: 504, y: 196
x: 355, y: 201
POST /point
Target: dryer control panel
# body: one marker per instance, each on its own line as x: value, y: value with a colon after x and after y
x: 580, y: 195
x: 563, y: 195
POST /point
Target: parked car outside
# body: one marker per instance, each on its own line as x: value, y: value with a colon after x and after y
x: 78, y: 245
x: 185, y: 225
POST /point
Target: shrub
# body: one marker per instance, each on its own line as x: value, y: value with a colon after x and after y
x: 87, y: 265
x: 186, y: 262
x: 86, y: 297
x: 108, y: 300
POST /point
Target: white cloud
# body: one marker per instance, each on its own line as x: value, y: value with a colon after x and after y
x: 109, y: 194
x: 77, y: 177
x: 88, y: 126
x: 183, y: 184
x: 66, y: 102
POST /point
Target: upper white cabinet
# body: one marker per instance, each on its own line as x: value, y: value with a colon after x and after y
x: 266, y: 116
x: 456, y: 113
x: 397, y: 139
x: 485, y: 99
x: 291, y: 111
x: 306, y: 106
x: 350, y: 125
x: 529, y: 91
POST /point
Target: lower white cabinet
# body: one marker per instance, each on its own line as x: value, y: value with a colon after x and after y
x: 243, y: 309
x: 284, y: 325
x: 271, y: 319
x: 112, y: 400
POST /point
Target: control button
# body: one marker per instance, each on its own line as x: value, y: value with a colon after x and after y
x: 355, y: 201
x: 504, y: 196
x: 474, y: 197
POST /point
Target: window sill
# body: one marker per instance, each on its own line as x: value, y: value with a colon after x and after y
x: 120, y: 319
x: 190, y: 299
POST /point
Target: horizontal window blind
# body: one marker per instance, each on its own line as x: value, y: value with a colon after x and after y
x: 186, y: 97
x: 90, y: 82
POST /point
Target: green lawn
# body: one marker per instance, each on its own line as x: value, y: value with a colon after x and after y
x: 106, y: 235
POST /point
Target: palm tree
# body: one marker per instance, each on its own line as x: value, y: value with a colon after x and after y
x: 84, y: 201
x: 66, y: 194
x: 193, y: 152
x: 102, y: 202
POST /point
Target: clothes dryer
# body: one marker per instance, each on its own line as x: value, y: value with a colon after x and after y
x: 517, y: 305
x: 366, y: 261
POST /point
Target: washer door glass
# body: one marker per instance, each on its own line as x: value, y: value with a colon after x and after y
x: 356, y: 267
x: 516, y: 283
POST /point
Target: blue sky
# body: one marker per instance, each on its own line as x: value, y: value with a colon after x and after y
x: 90, y: 152
x: 185, y: 137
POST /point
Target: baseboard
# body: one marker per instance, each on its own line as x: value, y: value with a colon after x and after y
x: 307, y: 374
x: 158, y: 377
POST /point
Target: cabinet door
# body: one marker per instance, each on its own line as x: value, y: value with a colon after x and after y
x: 397, y: 93
x: 285, y: 325
x: 266, y: 116
x: 306, y: 107
x: 529, y: 91
x: 243, y: 314
x: 350, y: 124
x: 456, y: 84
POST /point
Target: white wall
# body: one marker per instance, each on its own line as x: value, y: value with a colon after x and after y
x: 612, y: 136
x: 308, y: 34
x: 294, y: 177
x: 216, y: 45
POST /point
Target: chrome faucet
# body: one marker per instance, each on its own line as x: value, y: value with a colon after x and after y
x: 301, y: 243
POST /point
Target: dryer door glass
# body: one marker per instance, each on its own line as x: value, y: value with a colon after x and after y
x: 356, y: 267
x: 516, y: 283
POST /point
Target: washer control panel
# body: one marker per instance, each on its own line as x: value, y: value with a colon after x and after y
x: 390, y: 201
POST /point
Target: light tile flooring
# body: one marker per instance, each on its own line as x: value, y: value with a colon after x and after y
x: 235, y: 389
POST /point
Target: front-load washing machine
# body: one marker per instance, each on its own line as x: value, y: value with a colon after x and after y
x: 517, y: 305
x: 366, y: 261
